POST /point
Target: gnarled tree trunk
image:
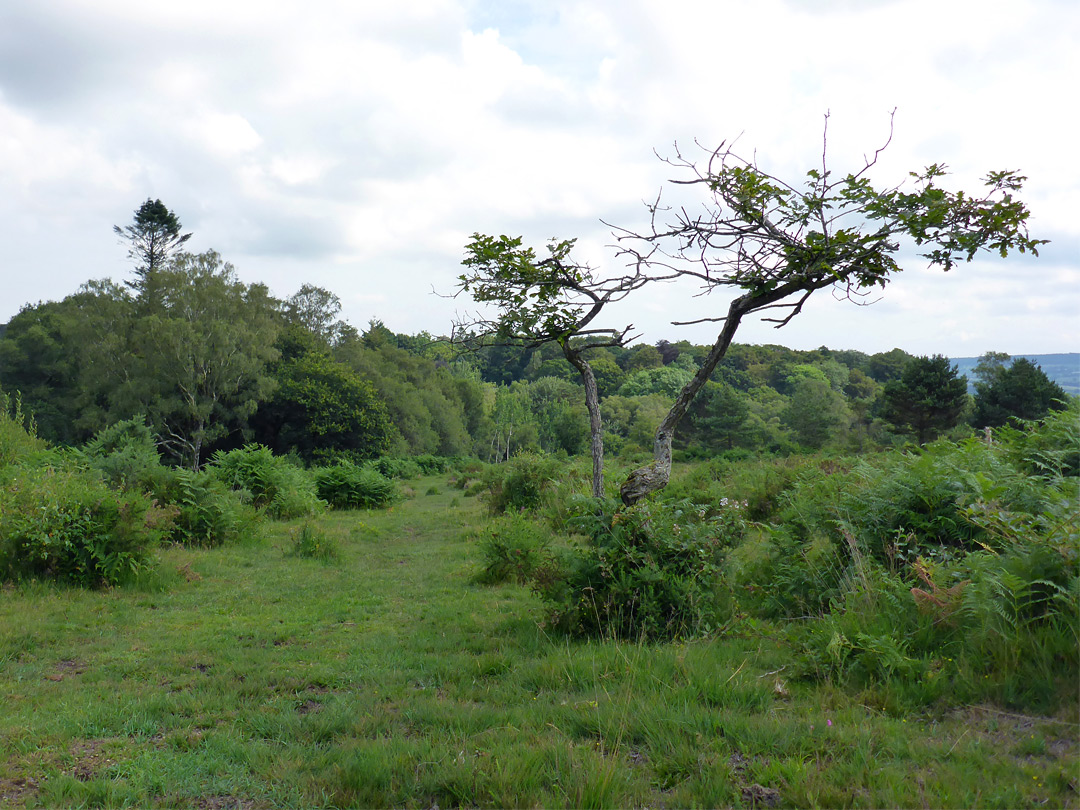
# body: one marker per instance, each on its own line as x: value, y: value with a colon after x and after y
x: 656, y: 475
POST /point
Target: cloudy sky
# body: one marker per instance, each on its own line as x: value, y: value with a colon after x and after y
x: 356, y: 145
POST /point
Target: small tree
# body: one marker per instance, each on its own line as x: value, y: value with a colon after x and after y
x: 779, y: 244
x: 551, y: 300
x: 1021, y: 391
x: 928, y: 399
x: 153, y: 237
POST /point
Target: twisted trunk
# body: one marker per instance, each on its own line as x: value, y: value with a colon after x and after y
x: 592, y: 403
x: 656, y: 475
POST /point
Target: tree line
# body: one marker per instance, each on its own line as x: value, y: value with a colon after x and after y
x: 212, y: 363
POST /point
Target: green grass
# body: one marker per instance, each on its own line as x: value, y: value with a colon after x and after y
x: 384, y: 676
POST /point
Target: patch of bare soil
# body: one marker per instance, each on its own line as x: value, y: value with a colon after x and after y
x: 17, y: 789
x: 66, y: 668
x: 90, y: 759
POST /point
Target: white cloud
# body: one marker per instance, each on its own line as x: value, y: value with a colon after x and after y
x: 360, y: 144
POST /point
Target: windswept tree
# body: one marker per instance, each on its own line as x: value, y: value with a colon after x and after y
x: 550, y: 300
x: 778, y: 244
x: 152, y: 238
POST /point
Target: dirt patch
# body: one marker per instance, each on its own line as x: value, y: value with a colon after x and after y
x: 308, y: 706
x: 17, y: 790
x: 757, y: 796
x: 90, y: 759
x: 66, y: 668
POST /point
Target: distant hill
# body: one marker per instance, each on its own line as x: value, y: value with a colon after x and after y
x: 1064, y: 369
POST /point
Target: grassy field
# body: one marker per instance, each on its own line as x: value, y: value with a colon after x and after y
x: 377, y: 673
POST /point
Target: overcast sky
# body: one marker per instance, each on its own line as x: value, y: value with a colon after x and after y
x: 356, y: 145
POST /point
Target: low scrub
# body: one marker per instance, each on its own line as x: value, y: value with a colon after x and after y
x: 279, y: 488
x: 64, y: 523
x: 649, y: 571
x: 514, y: 548
x: 347, y: 486
x: 520, y: 483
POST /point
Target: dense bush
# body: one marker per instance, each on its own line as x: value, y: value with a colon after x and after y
x: 65, y: 523
x: 513, y: 548
x: 650, y: 571
x: 274, y: 485
x: 347, y: 486
x: 208, y: 512
x: 521, y: 482
x: 125, y: 454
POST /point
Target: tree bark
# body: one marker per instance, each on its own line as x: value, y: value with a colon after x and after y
x: 596, y: 427
x: 656, y: 475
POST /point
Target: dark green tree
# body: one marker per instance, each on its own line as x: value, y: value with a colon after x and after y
x: 152, y: 238
x: 1019, y: 391
x: 927, y: 399
x: 717, y: 417
x: 320, y: 409
x: 779, y: 243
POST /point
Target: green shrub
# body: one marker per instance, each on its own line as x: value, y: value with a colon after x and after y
x: 513, y: 548
x: 780, y: 576
x: 274, y: 485
x: 347, y: 486
x: 649, y: 571
x: 18, y: 439
x: 209, y: 513
x: 66, y: 524
x: 125, y: 454
x: 395, y: 467
x: 520, y: 483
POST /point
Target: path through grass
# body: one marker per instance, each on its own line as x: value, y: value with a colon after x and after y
x: 248, y: 677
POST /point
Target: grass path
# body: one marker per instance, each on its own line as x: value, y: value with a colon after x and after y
x: 246, y: 677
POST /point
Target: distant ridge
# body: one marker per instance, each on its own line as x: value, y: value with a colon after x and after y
x: 1064, y: 369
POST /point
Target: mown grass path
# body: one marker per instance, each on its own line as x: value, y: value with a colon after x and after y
x: 246, y: 677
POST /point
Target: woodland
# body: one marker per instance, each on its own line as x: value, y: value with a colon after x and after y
x: 255, y: 556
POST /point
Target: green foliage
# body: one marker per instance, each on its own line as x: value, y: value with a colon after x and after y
x: 273, y: 484
x: 1019, y: 391
x: 323, y: 407
x: 927, y: 399
x: 125, y: 454
x: 650, y: 571
x: 347, y: 486
x: 210, y: 514
x: 520, y: 483
x: 513, y: 547
x: 200, y: 358
x: 64, y: 523
x: 312, y: 543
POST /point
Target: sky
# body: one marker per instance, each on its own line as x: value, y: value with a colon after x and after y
x: 356, y: 145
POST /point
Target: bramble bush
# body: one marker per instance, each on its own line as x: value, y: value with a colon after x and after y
x: 514, y: 547
x: 649, y: 571
x: 520, y: 483
x: 347, y: 486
